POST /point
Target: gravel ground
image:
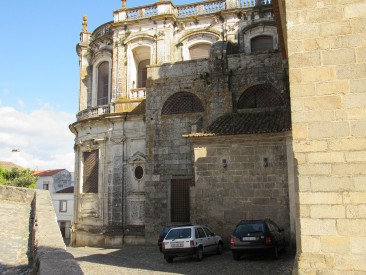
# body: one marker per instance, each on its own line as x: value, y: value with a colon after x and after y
x: 148, y: 260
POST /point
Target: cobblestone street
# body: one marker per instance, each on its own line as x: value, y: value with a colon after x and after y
x: 148, y: 260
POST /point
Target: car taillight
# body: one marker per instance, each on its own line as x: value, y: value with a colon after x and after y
x: 191, y: 243
x: 162, y: 246
x: 268, y: 240
x: 232, y: 241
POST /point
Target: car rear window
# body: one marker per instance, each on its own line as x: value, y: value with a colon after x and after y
x: 178, y: 233
x: 246, y: 228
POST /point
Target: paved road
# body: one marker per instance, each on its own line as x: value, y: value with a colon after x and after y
x: 148, y: 260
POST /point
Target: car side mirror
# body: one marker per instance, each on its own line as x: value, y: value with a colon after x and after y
x: 213, y: 234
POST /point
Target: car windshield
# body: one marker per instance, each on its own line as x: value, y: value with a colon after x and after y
x: 243, y: 229
x: 165, y: 230
x: 178, y: 233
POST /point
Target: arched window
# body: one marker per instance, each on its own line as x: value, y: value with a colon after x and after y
x: 261, y: 43
x: 200, y: 51
x: 260, y: 96
x: 103, y: 83
x: 142, y: 73
x: 182, y: 103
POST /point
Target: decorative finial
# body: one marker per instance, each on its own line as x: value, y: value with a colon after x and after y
x: 124, y: 4
x: 85, y: 24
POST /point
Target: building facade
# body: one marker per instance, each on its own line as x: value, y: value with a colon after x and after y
x: 327, y: 68
x: 183, y: 117
x: 59, y: 183
x: 208, y: 49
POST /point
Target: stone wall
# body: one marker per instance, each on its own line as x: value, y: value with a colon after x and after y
x: 327, y: 68
x: 47, y: 251
x: 238, y: 178
x: 169, y: 155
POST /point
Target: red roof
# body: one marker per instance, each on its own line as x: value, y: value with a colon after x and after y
x: 47, y: 173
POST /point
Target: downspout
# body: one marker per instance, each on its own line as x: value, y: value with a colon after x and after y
x: 123, y: 204
x: 74, y: 223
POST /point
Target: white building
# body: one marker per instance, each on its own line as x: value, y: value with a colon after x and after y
x: 60, y: 184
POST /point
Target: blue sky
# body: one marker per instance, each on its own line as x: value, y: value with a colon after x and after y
x: 39, y: 76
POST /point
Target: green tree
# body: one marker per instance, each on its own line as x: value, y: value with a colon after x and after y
x: 18, y: 177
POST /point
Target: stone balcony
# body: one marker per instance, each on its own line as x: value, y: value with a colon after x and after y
x: 168, y: 8
x: 130, y: 104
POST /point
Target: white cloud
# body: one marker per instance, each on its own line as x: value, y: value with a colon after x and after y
x: 42, y: 137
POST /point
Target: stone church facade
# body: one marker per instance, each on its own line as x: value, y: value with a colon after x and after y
x: 184, y: 116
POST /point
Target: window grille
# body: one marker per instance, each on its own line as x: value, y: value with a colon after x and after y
x: 180, y: 200
x: 182, y: 103
x: 260, y: 96
x: 90, y: 176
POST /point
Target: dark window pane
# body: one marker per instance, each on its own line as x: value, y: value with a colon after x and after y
x: 261, y: 43
x: 142, y: 73
x: 103, y: 83
x: 139, y: 172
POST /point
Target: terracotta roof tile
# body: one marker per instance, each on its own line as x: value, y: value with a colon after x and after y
x: 248, y: 122
x: 46, y: 173
x: 251, y: 123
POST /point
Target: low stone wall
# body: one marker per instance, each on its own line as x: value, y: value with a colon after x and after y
x: 49, y: 250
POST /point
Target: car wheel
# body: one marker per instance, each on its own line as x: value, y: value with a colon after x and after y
x: 275, y: 253
x: 219, y: 249
x: 199, y: 254
x: 168, y: 259
x: 236, y: 256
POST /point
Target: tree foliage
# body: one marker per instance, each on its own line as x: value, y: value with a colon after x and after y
x: 18, y: 177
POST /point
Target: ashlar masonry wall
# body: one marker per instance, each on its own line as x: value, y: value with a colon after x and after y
x: 327, y: 69
x: 240, y: 177
x: 170, y: 155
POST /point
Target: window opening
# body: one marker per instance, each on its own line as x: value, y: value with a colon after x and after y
x: 142, y: 73
x: 261, y: 43
x: 182, y: 103
x: 103, y: 83
x: 90, y: 178
x: 139, y: 172
x: 200, y: 51
x: 180, y: 200
x: 63, y: 206
x: 260, y: 96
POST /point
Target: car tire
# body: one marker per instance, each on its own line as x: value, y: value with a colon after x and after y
x: 199, y: 254
x: 275, y: 253
x: 168, y: 259
x: 220, y: 249
x: 236, y: 256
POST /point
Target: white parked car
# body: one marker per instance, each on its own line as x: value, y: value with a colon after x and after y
x: 195, y: 241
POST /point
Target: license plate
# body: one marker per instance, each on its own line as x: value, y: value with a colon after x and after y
x: 248, y: 238
x: 175, y: 245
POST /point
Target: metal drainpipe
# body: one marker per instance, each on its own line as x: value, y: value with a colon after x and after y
x: 123, y: 206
